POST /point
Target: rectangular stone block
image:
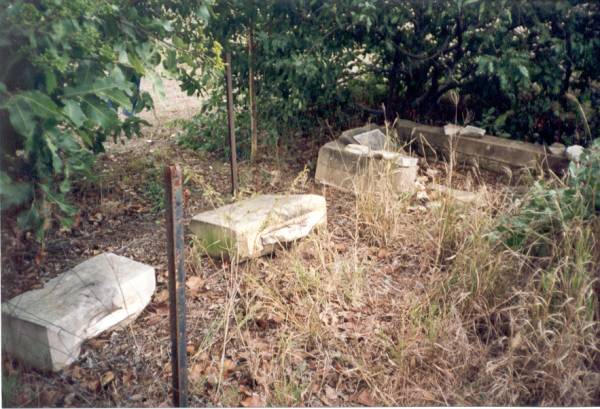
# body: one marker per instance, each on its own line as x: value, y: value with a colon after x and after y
x: 351, y: 169
x: 254, y: 227
x: 489, y: 152
x: 45, y: 328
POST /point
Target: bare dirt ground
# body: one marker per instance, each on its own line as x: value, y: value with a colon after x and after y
x: 241, y: 319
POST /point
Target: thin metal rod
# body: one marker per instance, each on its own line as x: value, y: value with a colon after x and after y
x: 176, y: 256
x: 252, y: 97
x: 230, y: 125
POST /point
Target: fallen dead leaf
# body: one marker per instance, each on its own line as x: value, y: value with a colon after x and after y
x: 330, y: 393
x: 153, y: 319
x: 97, y: 343
x: 340, y: 247
x: 306, y: 255
x: 245, y: 390
x: 212, y: 379
x: 228, y: 367
x: 254, y: 401
x: 76, y: 372
x: 127, y: 376
x: 48, y: 397
x: 382, y: 253
x: 196, y: 372
x: 69, y: 399
x: 107, y: 378
x: 93, y: 385
x: 136, y: 397
x: 162, y: 310
x: 161, y: 296
x: 364, y: 398
x: 194, y: 284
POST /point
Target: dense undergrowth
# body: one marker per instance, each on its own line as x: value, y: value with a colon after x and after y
x: 521, y: 290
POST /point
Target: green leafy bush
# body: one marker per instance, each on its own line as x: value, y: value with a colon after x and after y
x: 550, y: 206
x: 67, y: 68
x: 208, y: 129
x: 523, y: 69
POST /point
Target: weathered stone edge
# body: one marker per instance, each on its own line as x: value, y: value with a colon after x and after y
x: 490, y: 152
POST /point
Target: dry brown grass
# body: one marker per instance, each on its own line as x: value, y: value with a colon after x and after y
x: 402, y: 304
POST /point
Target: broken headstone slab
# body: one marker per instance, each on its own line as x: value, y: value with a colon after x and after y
x: 574, y: 152
x: 254, y: 227
x: 407, y: 162
x: 398, y: 158
x: 451, y: 129
x: 490, y: 152
x: 472, y: 132
x: 358, y: 161
x: 557, y: 149
x: 45, y: 328
x: 356, y: 168
x: 375, y: 139
x: 357, y: 149
x: 386, y: 155
x: 347, y: 137
x: 467, y: 131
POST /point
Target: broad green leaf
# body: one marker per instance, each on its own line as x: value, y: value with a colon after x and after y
x: 136, y: 63
x: 13, y: 193
x: 100, y: 86
x: 99, y: 112
x: 21, y: 116
x: 51, y: 81
x: 170, y: 62
x: 469, y: 2
x: 56, y: 161
x: 38, y: 104
x: 157, y: 84
x: 117, y: 96
x: 59, y: 199
x: 73, y: 111
x: 203, y: 12
x: 42, y: 104
x: 524, y: 71
x: 86, y: 138
x: 501, y: 120
x: 116, y: 74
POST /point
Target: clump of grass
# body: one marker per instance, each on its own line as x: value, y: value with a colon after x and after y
x: 379, y: 204
x: 529, y: 317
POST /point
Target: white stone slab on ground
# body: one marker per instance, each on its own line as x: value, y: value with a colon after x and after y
x: 254, y: 227
x: 355, y: 169
x: 45, y: 328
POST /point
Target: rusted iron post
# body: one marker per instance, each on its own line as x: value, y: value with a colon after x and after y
x: 175, y: 256
x: 230, y: 125
x: 252, y: 97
